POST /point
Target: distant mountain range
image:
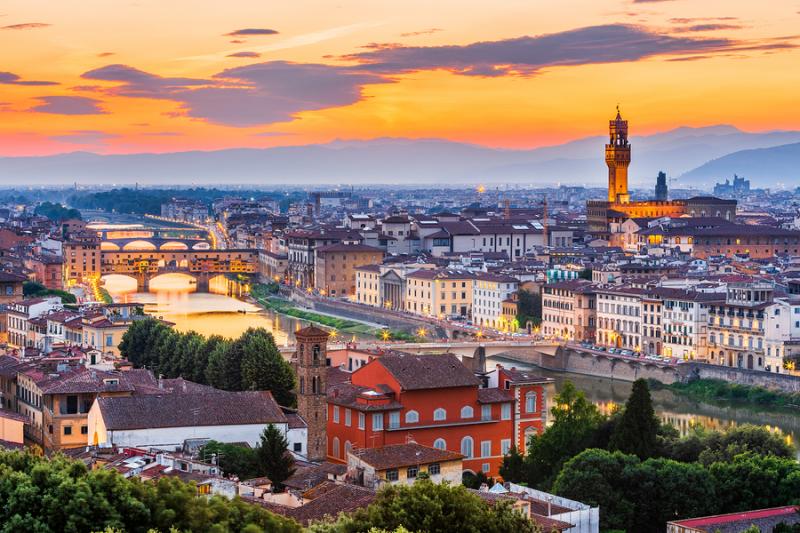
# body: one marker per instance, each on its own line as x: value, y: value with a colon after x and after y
x: 694, y: 156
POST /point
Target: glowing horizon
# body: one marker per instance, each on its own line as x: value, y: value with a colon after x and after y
x: 147, y: 77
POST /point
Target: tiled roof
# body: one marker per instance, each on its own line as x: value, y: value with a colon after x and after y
x: 494, y: 395
x: 341, y: 498
x: 417, y: 372
x: 346, y: 394
x: 182, y: 410
x: 400, y: 455
x: 348, y: 248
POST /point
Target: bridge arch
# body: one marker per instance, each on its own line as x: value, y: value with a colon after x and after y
x: 139, y: 245
x: 109, y: 246
x: 174, y: 245
x: 202, y: 245
x: 173, y: 281
x: 119, y: 283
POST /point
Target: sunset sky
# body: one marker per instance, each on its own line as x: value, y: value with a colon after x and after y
x: 172, y: 75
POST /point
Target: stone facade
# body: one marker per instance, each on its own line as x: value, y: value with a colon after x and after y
x: 311, y: 367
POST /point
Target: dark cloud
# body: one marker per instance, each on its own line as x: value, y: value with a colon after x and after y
x: 245, y: 54
x: 9, y: 78
x: 250, y: 32
x: 237, y: 41
x: 526, y: 55
x: 712, y: 26
x: 137, y: 83
x: 422, y: 32
x: 260, y: 93
x: 91, y: 137
x: 69, y: 105
x: 106, y: 54
x: 25, y: 26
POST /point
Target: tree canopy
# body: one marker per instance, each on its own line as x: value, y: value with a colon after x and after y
x: 251, y: 362
x: 637, y: 429
x: 60, y: 495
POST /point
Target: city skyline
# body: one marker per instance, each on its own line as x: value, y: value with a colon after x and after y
x: 143, y: 77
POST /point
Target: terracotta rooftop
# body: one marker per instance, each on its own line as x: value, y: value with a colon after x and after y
x: 401, y: 455
x: 418, y: 372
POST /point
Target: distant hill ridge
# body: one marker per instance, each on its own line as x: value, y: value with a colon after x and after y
x: 695, y: 156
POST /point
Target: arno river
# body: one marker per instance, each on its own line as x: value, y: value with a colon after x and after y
x: 173, y: 299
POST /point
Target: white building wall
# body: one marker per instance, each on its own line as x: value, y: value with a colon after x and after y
x: 174, y: 437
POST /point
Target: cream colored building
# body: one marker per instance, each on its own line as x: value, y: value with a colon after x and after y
x: 440, y: 293
x: 568, y: 310
x: 368, y: 285
x: 402, y: 464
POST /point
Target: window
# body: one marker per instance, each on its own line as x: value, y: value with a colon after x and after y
x: 505, y: 411
x: 347, y: 417
x: 84, y: 430
x: 336, y: 447
x: 67, y: 430
x: 298, y: 447
x: 335, y: 414
x: 505, y: 446
x: 485, y: 467
x: 434, y: 469
x: 466, y: 412
x: 440, y: 414
x: 377, y: 421
x: 486, y: 448
x: 412, y: 472
x: 530, y: 402
x: 440, y: 444
x: 412, y: 417
x: 361, y: 420
x: 466, y: 447
x: 391, y: 475
x: 486, y: 412
x: 109, y: 340
x: 394, y: 420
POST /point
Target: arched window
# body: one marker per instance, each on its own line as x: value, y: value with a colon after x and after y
x: 440, y: 444
x: 466, y: 447
x: 466, y: 412
x: 530, y: 402
x: 335, y: 451
x: 347, y: 448
x: 302, y: 385
x: 316, y: 354
x: 412, y: 417
x: 439, y: 414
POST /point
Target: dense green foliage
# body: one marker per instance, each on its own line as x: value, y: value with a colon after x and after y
x: 529, y: 308
x: 719, y: 390
x: 643, y: 474
x: 251, y: 362
x: 34, y: 289
x: 636, y: 431
x: 56, y: 212
x: 61, y: 495
x: 433, y: 508
x: 270, y: 458
x: 642, y: 496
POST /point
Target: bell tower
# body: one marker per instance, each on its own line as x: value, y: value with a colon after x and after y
x: 618, y: 157
x: 312, y: 385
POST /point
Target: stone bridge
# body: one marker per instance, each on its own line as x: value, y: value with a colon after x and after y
x: 146, y: 244
x: 202, y: 265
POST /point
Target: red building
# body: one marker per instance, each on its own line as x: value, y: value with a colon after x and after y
x: 433, y: 400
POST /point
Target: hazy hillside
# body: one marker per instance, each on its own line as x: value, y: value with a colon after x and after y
x: 415, y: 161
x: 776, y: 167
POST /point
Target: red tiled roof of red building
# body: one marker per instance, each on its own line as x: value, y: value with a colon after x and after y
x: 746, y: 516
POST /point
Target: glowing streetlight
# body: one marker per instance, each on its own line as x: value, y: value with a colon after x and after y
x: 385, y: 335
x: 421, y: 332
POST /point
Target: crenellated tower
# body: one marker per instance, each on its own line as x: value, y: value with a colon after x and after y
x: 618, y: 157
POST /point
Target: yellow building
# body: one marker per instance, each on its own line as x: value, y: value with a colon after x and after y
x: 103, y: 334
x: 440, y: 293
x: 11, y: 428
x: 402, y: 464
x: 82, y: 257
x: 368, y: 285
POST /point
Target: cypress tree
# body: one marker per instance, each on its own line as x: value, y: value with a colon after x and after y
x: 637, y: 430
x: 274, y: 459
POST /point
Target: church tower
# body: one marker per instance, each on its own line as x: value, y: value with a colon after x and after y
x: 312, y: 385
x: 618, y: 157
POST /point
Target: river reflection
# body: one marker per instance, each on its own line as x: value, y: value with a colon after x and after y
x: 174, y: 299
x: 678, y: 410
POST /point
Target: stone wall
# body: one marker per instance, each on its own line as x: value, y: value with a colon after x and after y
x: 753, y: 378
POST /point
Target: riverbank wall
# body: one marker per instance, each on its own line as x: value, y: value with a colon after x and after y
x: 740, y: 376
